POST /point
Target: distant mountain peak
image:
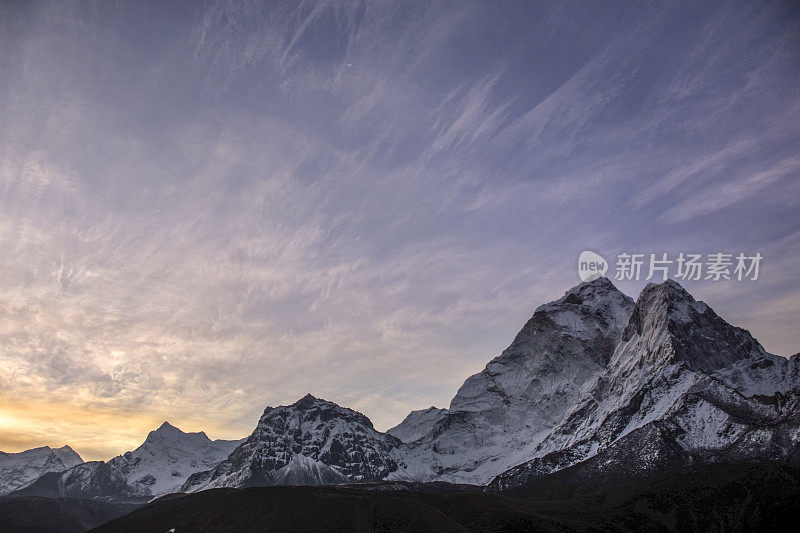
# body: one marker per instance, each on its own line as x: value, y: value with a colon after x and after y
x: 666, y: 296
x: 68, y: 456
x: 669, y: 284
x: 598, y: 283
x: 499, y: 414
x: 308, y: 400
x: 682, y: 372
x: 586, y: 290
x: 18, y: 469
x: 160, y: 465
x: 591, y: 372
x: 166, y: 427
x: 653, y: 307
x: 597, y: 300
x: 166, y: 432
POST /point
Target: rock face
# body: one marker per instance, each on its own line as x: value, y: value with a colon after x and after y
x: 310, y: 429
x: 683, y: 386
x: 159, y: 466
x: 501, y: 414
x: 19, y: 469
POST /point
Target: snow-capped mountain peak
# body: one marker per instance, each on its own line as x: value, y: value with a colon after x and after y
x: 166, y: 429
x: 680, y: 372
x: 162, y: 463
x: 319, y: 430
x: 168, y: 435
x: 499, y: 415
x: 19, y: 469
x: 67, y: 455
x: 667, y: 314
x: 591, y: 378
x: 168, y: 457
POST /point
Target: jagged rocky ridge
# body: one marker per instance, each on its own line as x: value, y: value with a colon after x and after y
x: 306, y: 437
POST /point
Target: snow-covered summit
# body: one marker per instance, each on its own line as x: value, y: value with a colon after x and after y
x: 167, y: 429
x: 162, y: 463
x: 680, y: 374
x: 18, y: 469
x: 500, y: 414
x: 323, y: 431
x: 168, y: 457
x: 666, y: 313
x: 668, y: 326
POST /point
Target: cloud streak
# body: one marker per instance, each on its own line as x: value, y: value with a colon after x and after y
x: 207, y: 208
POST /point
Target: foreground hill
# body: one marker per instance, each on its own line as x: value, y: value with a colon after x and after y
x: 36, y: 514
x: 333, y: 509
x: 729, y: 497
x: 743, y: 496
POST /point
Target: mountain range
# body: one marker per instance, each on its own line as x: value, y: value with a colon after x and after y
x: 161, y: 465
x: 594, y: 384
x: 19, y: 469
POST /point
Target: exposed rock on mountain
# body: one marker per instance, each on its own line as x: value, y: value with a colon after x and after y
x: 310, y: 428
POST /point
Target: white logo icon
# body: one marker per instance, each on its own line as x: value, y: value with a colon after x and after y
x: 591, y: 266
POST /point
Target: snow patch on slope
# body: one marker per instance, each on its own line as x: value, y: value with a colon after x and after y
x: 417, y: 424
x: 302, y: 470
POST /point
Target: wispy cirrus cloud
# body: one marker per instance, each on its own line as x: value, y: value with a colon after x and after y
x: 206, y: 208
x: 736, y: 189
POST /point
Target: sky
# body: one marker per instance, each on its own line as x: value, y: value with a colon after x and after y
x: 211, y: 207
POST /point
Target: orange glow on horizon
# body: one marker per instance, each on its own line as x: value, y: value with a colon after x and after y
x: 95, y: 432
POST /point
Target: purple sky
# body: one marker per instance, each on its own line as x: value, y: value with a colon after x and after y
x: 206, y: 208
